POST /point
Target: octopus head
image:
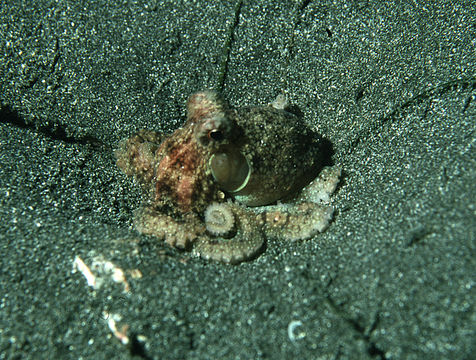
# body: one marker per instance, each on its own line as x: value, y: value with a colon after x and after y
x: 211, y: 117
x: 216, y: 130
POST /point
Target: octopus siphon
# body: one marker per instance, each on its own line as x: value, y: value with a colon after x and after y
x: 230, y: 179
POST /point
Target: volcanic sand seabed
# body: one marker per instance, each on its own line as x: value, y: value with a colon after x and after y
x: 391, y: 86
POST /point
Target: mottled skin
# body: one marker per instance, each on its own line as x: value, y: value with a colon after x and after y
x: 269, y: 154
x: 284, y: 153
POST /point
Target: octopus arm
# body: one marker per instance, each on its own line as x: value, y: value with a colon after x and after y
x: 179, y: 234
x: 247, y: 243
x: 230, y: 252
x: 136, y: 155
x: 299, y: 222
x: 312, y: 213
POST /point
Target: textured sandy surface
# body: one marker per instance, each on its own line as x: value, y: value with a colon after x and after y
x: 391, y: 86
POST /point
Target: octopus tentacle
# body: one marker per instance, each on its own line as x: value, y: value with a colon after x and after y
x: 320, y: 189
x: 312, y: 213
x: 297, y: 222
x: 150, y: 221
x: 247, y: 243
x: 136, y: 156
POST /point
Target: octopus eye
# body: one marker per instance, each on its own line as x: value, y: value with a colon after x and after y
x: 215, y: 134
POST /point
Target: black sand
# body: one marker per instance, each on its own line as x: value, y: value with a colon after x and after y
x: 393, y: 88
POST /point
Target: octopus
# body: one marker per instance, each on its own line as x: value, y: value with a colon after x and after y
x: 231, y: 179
